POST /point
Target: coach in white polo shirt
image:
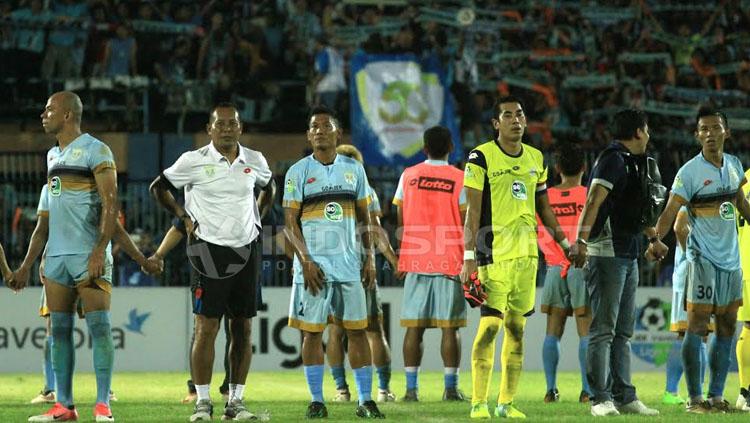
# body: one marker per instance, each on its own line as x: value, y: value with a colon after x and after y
x: 222, y: 221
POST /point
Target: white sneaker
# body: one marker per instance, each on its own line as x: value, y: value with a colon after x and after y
x: 236, y: 410
x: 342, y: 395
x: 604, y: 409
x: 386, y: 395
x: 742, y: 403
x: 637, y: 407
x: 203, y: 411
x: 42, y: 398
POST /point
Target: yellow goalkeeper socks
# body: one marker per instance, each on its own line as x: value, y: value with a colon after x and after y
x: 743, y: 357
x: 511, y: 359
x: 483, y: 357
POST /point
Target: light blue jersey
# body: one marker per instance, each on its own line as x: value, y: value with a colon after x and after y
x: 680, y: 267
x: 74, y: 203
x: 679, y: 272
x: 328, y: 197
x: 374, y: 206
x: 712, y: 209
x: 43, y: 208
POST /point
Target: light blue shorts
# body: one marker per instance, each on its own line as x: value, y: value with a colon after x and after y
x: 432, y: 301
x: 678, y: 318
x: 72, y: 270
x: 343, y: 303
x: 565, y: 296
x: 712, y: 290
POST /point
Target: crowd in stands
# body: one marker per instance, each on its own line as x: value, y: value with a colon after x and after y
x: 572, y: 61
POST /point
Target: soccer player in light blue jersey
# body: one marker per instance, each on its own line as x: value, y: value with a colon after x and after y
x: 678, y: 320
x: 379, y: 348
x: 710, y: 186
x: 36, y: 245
x: 82, y: 195
x: 325, y: 202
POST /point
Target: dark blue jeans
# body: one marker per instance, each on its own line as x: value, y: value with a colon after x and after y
x: 611, y: 283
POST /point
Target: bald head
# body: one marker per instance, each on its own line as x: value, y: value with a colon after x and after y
x: 63, y: 110
x: 69, y: 102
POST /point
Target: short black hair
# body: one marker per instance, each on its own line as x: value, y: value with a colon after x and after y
x: 570, y: 158
x: 506, y: 99
x: 708, y: 110
x: 320, y: 109
x: 438, y: 141
x: 627, y: 122
x: 222, y: 105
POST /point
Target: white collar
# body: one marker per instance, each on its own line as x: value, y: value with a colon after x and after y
x: 436, y: 162
x: 219, y: 157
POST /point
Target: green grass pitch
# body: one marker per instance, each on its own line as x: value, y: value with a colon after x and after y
x: 154, y: 397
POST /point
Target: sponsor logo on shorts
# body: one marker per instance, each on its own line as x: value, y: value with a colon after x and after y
x: 434, y: 184
x: 334, y: 212
x: 55, y: 186
x: 518, y: 190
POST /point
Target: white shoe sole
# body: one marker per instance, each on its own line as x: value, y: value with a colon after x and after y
x: 200, y: 417
x: 386, y: 397
x: 104, y: 419
x: 611, y: 413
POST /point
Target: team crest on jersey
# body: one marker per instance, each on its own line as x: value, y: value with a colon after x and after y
x: 210, y: 170
x: 55, y: 186
x: 468, y: 172
x: 76, y: 154
x: 518, y: 190
x: 334, y: 212
x: 726, y: 211
x: 350, y: 178
x: 290, y: 185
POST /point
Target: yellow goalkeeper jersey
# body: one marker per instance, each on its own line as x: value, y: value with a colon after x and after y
x: 509, y: 185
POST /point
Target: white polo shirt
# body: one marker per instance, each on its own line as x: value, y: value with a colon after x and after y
x: 219, y: 195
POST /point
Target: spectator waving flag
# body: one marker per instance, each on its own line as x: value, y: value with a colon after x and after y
x: 394, y: 99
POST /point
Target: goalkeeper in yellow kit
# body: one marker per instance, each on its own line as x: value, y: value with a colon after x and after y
x: 743, y: 314
x: 506, y: 188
